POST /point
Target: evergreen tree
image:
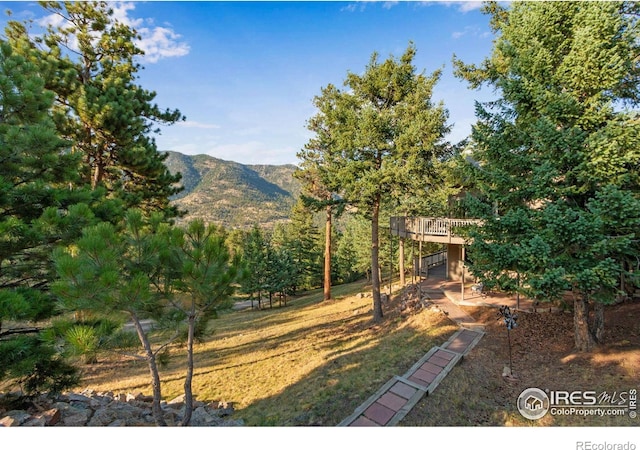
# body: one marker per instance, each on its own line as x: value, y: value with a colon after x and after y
x: 319, y: 191
x: 303, y: 245
x: 353, y: 255
x: 88, y: 59
x: 37, y: 212
x: 383, y: 136
x: 151, y: 270
x: 280, y: 249
x: 255, y: 256
x: 206, y: 281
x: 109, y: 271
x: 558, y: 164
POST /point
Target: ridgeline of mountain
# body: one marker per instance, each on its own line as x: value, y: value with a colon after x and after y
x: 232, y: 194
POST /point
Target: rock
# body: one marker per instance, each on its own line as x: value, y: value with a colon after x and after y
x: 117, y: 423
x: 171, y: 417
x: 78, y: 398
x: 106, y: 416
x: 302, y: 419
x: 90, y: 408
x: 201, y: 418
x: 52, y: 416
x: 79, y: 419
x: 15, y: 418
x: 34, y: 421
x: 179, y: 400
x: 9, y: 421
x: 139, y: 396
x: 233, y: 423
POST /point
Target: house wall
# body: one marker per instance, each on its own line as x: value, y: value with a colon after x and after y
x: 455, y: 266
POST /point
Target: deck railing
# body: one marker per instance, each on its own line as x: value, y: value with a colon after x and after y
x: 428, y: 226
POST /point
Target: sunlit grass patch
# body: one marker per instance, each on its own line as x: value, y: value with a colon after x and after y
x: 310, y: 363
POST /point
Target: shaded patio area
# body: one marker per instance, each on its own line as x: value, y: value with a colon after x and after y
x: 436, y: 281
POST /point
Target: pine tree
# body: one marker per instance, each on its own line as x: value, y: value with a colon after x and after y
x: 319, y: 191
x: 383, y: 134
x: 147, y: 269
x: 89, y: 60
x: 558, y: 173
x: 207, y: 279
x: 129, y: 270
x: 353, y: 254
x: 255, y: 257
x: 303, y: 244
x: 37, y: 212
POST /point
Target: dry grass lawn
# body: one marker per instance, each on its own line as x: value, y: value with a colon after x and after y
x: 309, y: 363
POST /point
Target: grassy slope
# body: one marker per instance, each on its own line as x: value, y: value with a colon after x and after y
x: 310, y: 363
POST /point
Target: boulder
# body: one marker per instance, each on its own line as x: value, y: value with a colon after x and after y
x: 77, y: 419
x: 35, y: 421
x: 15, y: 418
x: 201, y: 418
x: 52, y: 417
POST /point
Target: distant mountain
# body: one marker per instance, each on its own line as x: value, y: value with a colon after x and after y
x: 232, y: 194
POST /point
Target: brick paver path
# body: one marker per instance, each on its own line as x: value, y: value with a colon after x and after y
x: 395, y: 398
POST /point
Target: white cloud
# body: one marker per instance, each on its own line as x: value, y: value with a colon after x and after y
x: 160, y: 42
x: 469, y: 6
x: 194, y: 124
x: 461, y: 6
x: 121, y: 14
x: 156, y: 42
x: 353, y: 7
x: 53, y: 20
x: 472, y: 31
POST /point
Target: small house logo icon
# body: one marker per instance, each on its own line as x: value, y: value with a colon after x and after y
x: 533, y: 403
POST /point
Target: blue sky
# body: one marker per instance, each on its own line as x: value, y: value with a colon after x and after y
x: 245, y: 73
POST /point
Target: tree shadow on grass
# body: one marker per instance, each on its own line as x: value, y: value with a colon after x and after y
x: 349, y: 375
x: 313, y: 367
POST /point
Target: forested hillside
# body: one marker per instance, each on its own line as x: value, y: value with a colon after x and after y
x: 233, y: 194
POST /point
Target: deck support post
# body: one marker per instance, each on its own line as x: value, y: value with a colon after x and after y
x: 401, y: 261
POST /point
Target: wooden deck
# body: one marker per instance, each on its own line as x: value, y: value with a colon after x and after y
x: 430, y: 229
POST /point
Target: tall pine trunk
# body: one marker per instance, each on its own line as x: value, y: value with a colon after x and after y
x: 598, y: 322
x: 584, y: 339
x: 327, y: 256
x: 375, y: 274
x: 401, y: 262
